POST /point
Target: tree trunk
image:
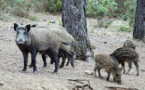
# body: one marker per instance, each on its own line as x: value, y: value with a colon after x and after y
x: 74, y: 20
x: 139, y: 26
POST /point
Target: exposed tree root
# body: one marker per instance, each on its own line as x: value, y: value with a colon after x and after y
x: 120, y: 88
x: 83, y: 85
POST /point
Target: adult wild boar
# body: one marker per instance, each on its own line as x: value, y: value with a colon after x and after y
x: 34, y: 40
x: 64, y: 36
x: 103, y: 61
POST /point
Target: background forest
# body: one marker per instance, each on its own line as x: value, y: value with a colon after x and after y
x: 99, y: 9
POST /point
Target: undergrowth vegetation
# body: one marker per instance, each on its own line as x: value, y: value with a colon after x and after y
x: 130, y: 12
x: 123, y: 28
x: 98, y: 9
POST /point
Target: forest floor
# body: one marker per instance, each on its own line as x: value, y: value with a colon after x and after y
x: 105, y: 40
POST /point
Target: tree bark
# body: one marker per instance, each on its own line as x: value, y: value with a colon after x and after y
x: 74, y: 20
x: 139, y: 26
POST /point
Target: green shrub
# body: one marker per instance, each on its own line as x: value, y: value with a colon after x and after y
x: 125, y: 17
x: 104, y: 23
x: 123, y: 28
x: 5, y: 17
x: 60, y: 22
x: 49, y: 5
x: 48, y: 23
x: 100, y: 8
x: 33, y: 18
x: 20, y: 7
x: 130, y: 12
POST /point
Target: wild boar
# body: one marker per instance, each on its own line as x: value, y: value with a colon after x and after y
x: 103, y: 61
x: 33, y: 40
x: 129, y: 55
x: 64, y: 36
x: 130, y: 44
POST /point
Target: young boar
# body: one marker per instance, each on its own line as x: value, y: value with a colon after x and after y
x: 105, y: 62
x: 128, y: 43
x: 125, y: 54
x: 64, y: 36
x: 33, y: 40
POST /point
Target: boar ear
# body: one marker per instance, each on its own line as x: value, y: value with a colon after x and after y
x: 125, y: 45
x: 28, y: 27
x: 15, y: 26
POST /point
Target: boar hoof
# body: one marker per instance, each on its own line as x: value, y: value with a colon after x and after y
x: 119, y: 82
x: 126, y: 73
x: 54, y: 72
x: 22, y: 71
x: 137, y: 74
x: 95, y: 76
x: 72, y: 64
x: 35, y: 72
x: 101, y: 77
x: 44, y: 66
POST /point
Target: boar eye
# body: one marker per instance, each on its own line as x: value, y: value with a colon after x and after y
x: 24, y: 32
x: 17, y: 32
x: 117, y: 75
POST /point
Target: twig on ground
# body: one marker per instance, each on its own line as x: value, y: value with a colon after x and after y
x: 120, y: 88
x: 83, y: 85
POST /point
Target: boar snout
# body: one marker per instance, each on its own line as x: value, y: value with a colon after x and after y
x: 119, y: 82
x: 20, y: 41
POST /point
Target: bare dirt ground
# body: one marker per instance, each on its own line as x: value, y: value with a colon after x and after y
x: 104, y: 41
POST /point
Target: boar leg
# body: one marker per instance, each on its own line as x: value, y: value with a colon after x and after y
x: 25, y: 56
x: 123, y: 66
x: 44, y: 60
x: 69, y: 54
x: 53, y: 56
x: 33, y: 58
x: 99, y: 73
x: 137, y: 67
x: 63, y: 60
x: 68, y: 61
x: 72, y: 59
x: 108, y: 76
x: 31, y: 65
x: 95, y: 71
x: 129, y: 66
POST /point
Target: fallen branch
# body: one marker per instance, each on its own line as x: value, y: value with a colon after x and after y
x: 143, y: 70
x: 83, y: 85
x: 116, y: 88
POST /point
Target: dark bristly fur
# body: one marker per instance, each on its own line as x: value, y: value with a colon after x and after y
x: 111, y: 67
x: 126, y: 54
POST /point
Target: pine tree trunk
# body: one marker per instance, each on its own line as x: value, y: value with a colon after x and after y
x: 74, y: 20
x: 139, y: 26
